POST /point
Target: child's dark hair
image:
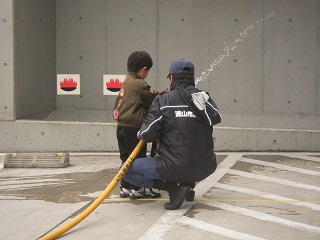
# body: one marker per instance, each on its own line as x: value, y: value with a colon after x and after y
x: 138, y: 60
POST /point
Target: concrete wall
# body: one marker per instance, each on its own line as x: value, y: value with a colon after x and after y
x: 264, y: 53
x: 259, y: 59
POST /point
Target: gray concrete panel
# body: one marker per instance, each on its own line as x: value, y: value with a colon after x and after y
x: 7, y: 111
x: 236, y: 43
x: 290, y: 58
x: 130, y: 26
x: 35, y: 63
x: 80, y: 50
x: 183, y: 33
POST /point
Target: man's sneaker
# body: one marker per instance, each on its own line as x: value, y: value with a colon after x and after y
x: 190, y: 196
x: 177, y: 196
x: 143, y: 193
x: 124, y: 192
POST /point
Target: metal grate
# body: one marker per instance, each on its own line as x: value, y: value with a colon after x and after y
x: 36, y: 160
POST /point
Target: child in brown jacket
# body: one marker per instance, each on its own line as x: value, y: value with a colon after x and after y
x: 130, y: 111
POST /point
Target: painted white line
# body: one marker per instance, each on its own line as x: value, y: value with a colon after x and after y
x: 16, y: 178
x: 167, y: 220
x: 164, y: 224
x: 9, y: 197
x: 216, y: 229
x: 20, y: 183
x: 303, y: 157
x: 280, y: 166
x: 223, y: 168
x: 263, y: 216
x: 30, y: 181
x: 114, y: 196
x: 260, y: 194
x: 275, y: 180
x: 28, y: 186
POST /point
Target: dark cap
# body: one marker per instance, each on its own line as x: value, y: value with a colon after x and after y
x: 181, y: 66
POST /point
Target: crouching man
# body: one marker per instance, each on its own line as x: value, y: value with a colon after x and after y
x: 182, y: 120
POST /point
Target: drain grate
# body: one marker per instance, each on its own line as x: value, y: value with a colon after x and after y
x: 36, y: 160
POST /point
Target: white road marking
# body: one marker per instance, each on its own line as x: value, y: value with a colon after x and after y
x: 216, y: 229
x: 306, y: 156
x: 263, y: 216
x: 164, y: 224
x: 167, y: 220
x: 280, y: 166
x: 275, y: 180
x: 260, y: 194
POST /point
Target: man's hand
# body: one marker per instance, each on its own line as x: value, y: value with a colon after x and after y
x: 138, y: 135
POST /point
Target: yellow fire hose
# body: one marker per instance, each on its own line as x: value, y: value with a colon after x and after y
x: 100, y: 199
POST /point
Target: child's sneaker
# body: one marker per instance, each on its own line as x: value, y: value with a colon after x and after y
x: 143, y: 193
x: 124, y: 192
x: 153, y: 193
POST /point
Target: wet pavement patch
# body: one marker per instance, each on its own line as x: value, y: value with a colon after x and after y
x: 58, y: 188
x: 195, y: 209
x: 247, y: 167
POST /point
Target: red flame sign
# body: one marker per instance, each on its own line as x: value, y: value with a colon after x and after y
x: 68, y: 84
x: 114, y: 85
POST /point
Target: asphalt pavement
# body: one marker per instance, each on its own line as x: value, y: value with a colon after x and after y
x: 250, y: 196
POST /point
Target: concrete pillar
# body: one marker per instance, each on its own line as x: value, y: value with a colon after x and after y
x: 7, y: 110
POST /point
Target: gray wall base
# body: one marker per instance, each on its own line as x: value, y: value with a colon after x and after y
x: 44, y: 136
